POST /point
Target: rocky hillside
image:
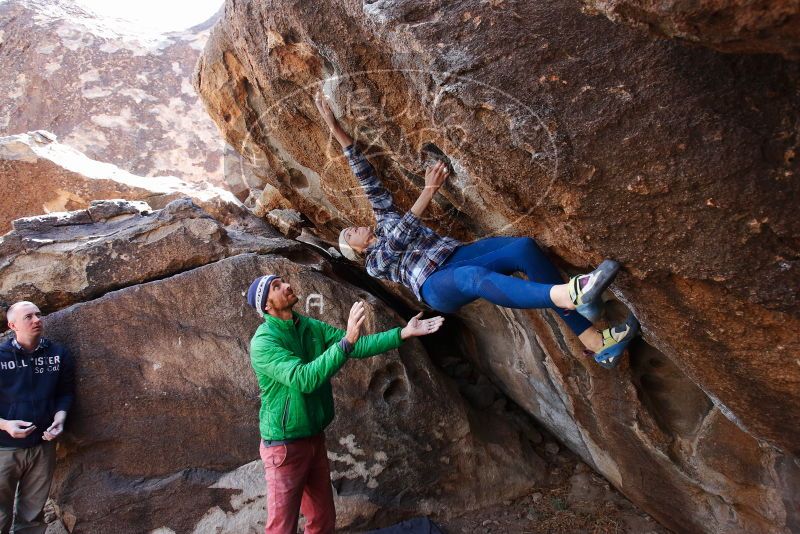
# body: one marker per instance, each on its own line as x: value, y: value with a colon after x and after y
x: 42, y: 175
x: 106, y: 89
x: 599, y: 141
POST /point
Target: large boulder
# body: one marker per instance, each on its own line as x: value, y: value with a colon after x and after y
x: 599, y: 141
x: 165, y: 431
x: 62, y: 258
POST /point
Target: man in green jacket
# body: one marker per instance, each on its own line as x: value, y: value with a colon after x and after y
x: 294, y: 358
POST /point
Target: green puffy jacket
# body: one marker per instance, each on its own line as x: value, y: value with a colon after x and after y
x: 294, y: 360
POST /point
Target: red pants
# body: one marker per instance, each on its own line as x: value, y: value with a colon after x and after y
x: 299, y: 479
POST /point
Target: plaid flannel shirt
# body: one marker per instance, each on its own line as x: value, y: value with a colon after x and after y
x: 406, y: 250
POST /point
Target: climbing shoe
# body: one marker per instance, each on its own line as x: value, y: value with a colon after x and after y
x: 615, y: 340
x: 585, y: 290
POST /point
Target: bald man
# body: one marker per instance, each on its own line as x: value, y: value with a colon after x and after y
x: 36, y: 391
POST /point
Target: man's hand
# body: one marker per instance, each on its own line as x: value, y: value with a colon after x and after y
x: 435, y: 176
x: 17, y: 429
x: 421, y: 327
x: 54, y: 430
x: 357, y: 315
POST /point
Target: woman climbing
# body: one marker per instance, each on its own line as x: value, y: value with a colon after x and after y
x: 447, y: 274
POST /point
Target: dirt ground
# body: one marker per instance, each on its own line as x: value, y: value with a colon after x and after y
x: 573, y: 500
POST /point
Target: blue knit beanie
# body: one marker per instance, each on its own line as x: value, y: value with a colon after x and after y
x: 259, y: 291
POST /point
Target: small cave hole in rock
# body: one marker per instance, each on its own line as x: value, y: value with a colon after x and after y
x: 395, y: 391
x: 431, y: 153
x: 389, y: 383
x: 297, y: 179
x: 675, y: 402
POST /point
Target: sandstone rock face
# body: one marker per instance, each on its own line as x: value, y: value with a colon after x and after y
x: 114, y: 94
x: 652, y: 431
x: 165, y: 432
x: 600, y: 142
x: 288, y: 222
x: 725, y: 25
x: 63, y: 258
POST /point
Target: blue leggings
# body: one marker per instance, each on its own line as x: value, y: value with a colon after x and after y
x: 483, y: 270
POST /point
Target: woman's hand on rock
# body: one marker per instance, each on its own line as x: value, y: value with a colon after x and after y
x: 321, y: 101
x: 435, y: 176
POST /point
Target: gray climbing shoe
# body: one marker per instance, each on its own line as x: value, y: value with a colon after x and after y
x: 615, y: 340
x: 585, y: 290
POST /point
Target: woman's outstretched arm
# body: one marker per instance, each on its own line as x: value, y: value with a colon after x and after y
x: 435, y: 176
x: 379, y: 197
